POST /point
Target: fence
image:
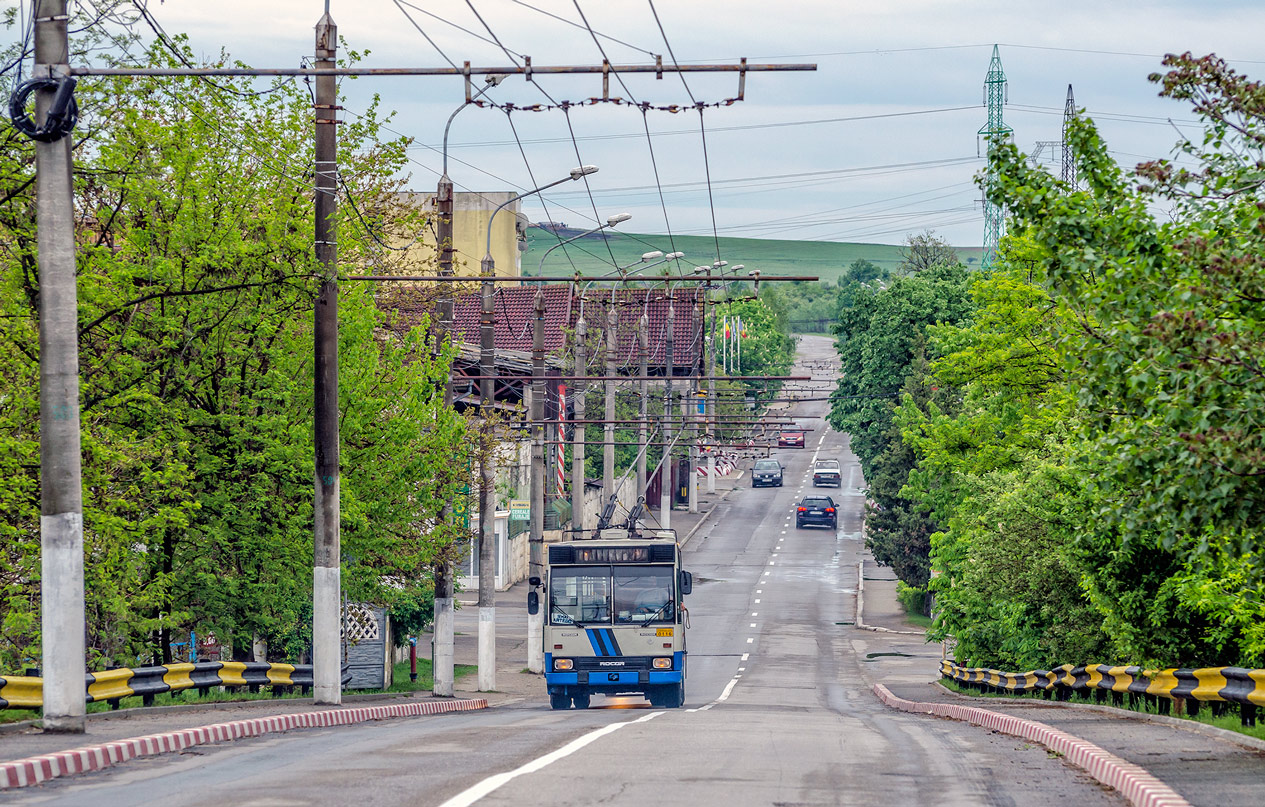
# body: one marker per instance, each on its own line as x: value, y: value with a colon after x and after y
x: 27, y: 692
x: 1177, y: 690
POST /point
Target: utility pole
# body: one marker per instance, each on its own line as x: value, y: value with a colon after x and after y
x: 1069, y: 157
x: 711, y: 389
x: 608, y: 429
x: 577, y: 434
x: 665, y: 468
x: 487, y: 479
x: 61, y: 487
x: 689, y: 414
x: 444, y: 674
x: 326, y: 573
x: 643, y: 406
x: 996, y: 128
x: 536, y: 539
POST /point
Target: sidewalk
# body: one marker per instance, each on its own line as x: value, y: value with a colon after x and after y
x: 1205, y: 768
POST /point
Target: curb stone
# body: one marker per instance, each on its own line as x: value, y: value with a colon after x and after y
x: 35, y: 770
x: 1139, y: 787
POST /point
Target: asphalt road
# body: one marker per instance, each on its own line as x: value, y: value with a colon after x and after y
x: 777, y: 712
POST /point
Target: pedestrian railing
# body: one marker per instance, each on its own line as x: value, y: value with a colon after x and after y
x: 1178, y: 690
x: 27, y: 692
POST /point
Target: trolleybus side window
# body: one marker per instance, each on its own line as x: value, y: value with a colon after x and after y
x: 579, y: 594
x: 644, y: 594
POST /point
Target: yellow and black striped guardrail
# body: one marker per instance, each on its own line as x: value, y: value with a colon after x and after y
x: 1186, y: 688
x: 27, y: 692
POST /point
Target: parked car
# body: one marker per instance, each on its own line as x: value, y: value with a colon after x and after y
x: 766, y: 472
x: 816, y: 510
x: 827, y: 472
x: 790, y: 439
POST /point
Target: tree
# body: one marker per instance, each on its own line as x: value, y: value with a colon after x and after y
x: 926, y: 251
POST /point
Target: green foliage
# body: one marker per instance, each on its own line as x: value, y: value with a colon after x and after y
x: 196, y: 289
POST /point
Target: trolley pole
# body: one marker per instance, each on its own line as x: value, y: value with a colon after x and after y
x: 643, y: 405
x: 536, y: 539
x: 61, y: 487
x: 444, y: 672
x: 578, y: 435
x: 326, y: 573
x: 665, y: 468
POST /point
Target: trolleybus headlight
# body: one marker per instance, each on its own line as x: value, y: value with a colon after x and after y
x: 562, y: 664
x: 663, y: 664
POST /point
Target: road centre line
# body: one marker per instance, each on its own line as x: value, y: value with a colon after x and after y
x: 472, y: 794
x: 745, y: 656
x: 724, y: 696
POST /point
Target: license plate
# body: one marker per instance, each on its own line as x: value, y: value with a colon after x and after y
x: 663, y: 632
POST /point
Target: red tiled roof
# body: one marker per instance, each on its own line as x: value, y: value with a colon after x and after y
x: 513, y: 310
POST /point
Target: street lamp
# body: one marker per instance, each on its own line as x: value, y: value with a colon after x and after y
x: 576, y: 173
x: 610, y: 222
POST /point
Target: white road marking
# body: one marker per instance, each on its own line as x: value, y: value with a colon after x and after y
x: 770, y: 563
x: 745, y: 656
x: 759, y: 591
x: 750, y: 640
x: 783, y: 531
x: 757, y: 603
x: 724, y: 696
x: 755, y: 613
x: 742, y: 669
x: 472, y: 794
x: 753, y: 624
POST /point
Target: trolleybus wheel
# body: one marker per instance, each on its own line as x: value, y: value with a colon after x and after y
x: 559, y: 700
x: 581, y: 701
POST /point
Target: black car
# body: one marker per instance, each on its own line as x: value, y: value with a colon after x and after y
x: 818, y: 510
x: 766, y: 472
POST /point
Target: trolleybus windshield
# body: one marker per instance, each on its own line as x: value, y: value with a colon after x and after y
x: 583, y: 595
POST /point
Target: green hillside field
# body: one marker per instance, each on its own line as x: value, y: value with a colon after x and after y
x: 824, y: 259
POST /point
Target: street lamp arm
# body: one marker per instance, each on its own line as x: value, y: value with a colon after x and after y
x: 576, y: 173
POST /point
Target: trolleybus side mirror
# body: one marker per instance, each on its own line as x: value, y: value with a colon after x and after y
x: 533, y: 603
x: 533, y: 581
x: 687, y: 583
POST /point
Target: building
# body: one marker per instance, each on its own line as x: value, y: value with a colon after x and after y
x: 470, y: 214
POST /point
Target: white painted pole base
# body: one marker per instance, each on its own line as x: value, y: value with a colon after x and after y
x: 711, y: 474
x: 665, y: 511
x: 62, y: 615
x: 445, y: 684
x: 536, y: 641
x: 487, y: 648
x: 327, y: 650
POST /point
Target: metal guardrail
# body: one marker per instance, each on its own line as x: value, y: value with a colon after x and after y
x: 27, y: 692
x: 1180, y: 690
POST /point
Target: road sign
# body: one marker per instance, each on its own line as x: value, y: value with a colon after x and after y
x: 520, y: 509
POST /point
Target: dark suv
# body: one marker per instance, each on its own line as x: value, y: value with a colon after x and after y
x: 818, y: 510
x: 766, y: 472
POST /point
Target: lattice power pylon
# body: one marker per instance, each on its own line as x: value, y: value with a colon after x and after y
x: 1069, y: 163
x: 996, y: 128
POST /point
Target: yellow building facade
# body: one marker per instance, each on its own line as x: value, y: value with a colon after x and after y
x: 471, y: 214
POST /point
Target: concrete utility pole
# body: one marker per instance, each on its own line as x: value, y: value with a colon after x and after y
x: 689, y: 414
x: 536, y: 539
x: 326, y: 573
x: 487, y: 486
x: 577, y: 434
x: 643, y: 406
x: 443, y: 670
x: 608, y: 429
x: 711, y: 390
x: 61, y: 487
x: 665, y: 469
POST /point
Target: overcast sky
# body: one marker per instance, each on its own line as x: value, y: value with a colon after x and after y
x: 870, y: 178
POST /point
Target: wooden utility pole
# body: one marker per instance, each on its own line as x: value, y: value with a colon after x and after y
x: 326, y: 573
x: 61, y: 487
x: 578, y: 435
x: 536, y: 538
x: 443, y: 669
x: 487, y: 485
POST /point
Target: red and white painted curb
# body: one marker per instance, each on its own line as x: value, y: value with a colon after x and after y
x: 1132, y: 781
x: 34, y: 770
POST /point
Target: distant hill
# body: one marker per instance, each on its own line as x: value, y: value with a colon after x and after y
x: 825, y: 259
